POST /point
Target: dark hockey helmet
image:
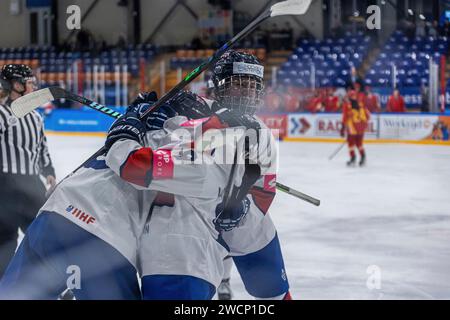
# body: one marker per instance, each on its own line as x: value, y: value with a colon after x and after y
x: 11, y: 73
x: 238, y: 81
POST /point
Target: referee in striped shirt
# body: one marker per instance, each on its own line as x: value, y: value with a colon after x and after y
x: 24, y: 158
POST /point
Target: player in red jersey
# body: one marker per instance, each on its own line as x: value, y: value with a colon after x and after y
x: 396, y: 103
x: 355, y: 117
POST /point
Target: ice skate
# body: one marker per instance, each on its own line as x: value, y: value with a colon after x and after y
x: 362, y: 162
x: 351, y: 162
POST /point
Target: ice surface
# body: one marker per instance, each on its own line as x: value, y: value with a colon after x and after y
x: 393, y: 214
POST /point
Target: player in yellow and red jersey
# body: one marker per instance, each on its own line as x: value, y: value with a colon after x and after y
x: 355, y: 117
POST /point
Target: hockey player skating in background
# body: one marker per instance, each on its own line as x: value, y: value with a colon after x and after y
x: 355, y: 117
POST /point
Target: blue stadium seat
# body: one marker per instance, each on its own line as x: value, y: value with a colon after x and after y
x: 299, y: 83
x: 292, y: 74
x: 287, y: 82
x: 299, y: 65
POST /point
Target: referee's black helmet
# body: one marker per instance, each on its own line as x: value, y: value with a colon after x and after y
x: 11, y: 73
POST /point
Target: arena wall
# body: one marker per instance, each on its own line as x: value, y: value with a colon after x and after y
x: 108, y: 21
x: 17, y: 23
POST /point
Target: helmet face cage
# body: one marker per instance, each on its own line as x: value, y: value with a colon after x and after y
x: 241, y: 92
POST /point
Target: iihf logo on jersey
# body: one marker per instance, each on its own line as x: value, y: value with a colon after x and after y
x: 77, y: 213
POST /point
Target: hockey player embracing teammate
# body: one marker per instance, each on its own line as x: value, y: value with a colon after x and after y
x: 165, y: 202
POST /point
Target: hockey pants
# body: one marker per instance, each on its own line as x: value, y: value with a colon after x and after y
x: 262, y: 272
x: 57, y: 254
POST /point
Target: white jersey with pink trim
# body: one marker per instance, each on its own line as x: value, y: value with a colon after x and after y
x: 180, y: 237
x: 183, y: 159
x: 111, y: 198
x: 98, y: 200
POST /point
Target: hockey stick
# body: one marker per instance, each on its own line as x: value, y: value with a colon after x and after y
x: 298, y: 194
x: 26, y: 104
x: 337, y: 150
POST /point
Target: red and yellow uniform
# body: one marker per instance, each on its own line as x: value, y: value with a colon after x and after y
x: 355, y: 117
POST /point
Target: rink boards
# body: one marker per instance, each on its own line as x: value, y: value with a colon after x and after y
x: 416, y: 128
x: 381, y: 127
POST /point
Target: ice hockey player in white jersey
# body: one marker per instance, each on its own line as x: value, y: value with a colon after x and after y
x: 181, y: 251
x: 98, y: 234
x: 88, y: 230
x: 254, y: 245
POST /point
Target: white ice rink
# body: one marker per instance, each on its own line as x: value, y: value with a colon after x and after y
x: 391, y: 218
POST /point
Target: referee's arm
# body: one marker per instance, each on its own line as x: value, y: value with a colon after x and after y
x: 46, y: 165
